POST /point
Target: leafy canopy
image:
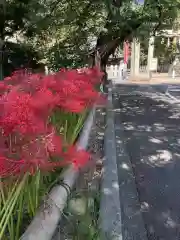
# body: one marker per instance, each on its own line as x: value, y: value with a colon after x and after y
x: 63, y: 32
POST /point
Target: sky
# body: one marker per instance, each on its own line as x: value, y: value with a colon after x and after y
x: 140, y: 1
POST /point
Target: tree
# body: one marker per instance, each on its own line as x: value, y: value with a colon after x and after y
x: 63, y: 31
x: 127, y: 19
x: 68, y: 37
x: 15, y: 22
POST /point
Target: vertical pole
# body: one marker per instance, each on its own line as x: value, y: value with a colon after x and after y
x: 135, y: 57
x: 132, y: 58
x: 173, y: 71
x: 46, y: 70
x: 126, y: 56
x: 150, y: 54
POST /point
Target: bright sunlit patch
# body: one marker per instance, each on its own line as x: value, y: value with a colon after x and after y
x: 129, y: 127
x: 159, y: 127
x: 125, y: 166
x: 117, y: 110
x: 165, y: 155
x: 103, y: 113
x: 144, y: 206
x: 161, y: 158
x: 175, y: 116
x: 101, y: 133
x: 115, y: 185
x: 155, y: 140
x: 169, y: 222
x: 107, y: 191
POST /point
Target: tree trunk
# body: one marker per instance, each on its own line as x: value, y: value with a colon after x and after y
x: 105, y: 50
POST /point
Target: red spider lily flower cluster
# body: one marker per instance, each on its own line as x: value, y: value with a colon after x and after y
x: 28, y: 141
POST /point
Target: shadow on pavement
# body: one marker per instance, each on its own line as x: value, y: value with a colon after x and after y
x: 151, y: 136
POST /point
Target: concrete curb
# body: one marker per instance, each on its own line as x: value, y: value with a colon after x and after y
x: 121, y: 213
x: 46, y: 220
x: 110, y: 211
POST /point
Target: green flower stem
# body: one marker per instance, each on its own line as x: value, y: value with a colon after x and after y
x: 10, y: 224
x: 8, y: 201
x: 10, y: 206
x: 37, y: 184
x: 20, y: 213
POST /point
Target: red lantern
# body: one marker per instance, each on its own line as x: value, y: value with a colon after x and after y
x: 126, y: 52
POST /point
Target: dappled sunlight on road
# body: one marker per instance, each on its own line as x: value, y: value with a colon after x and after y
x: 161, y: 158
x: 151, y: 137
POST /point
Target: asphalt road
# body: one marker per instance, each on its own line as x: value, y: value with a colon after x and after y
x: 172, y: 89
x: 151, y: 137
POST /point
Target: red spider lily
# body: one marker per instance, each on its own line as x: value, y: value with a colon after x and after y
x: 93, y: 75
x: 9, y: 167
x: 53, y: 142
x: 76, y: 90
x: 27, y: 141
x: 18, y: 115
x: 75, y: 106
x: 35, y: 154
x: 4, y: 88
x: 43, y: 146
x: 17, y: 77
x: 77, y: 157
x: 43, y: 102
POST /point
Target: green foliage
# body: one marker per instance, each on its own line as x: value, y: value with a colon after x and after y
x: 165, y: 53
x: 19, y: 56
x: 82, y: 216
x: 67, y: 39
x: 141, y: 19
x: 62, y: 31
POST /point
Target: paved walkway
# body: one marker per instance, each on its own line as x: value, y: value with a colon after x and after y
x: 157, y: 78
x: 150, y: 131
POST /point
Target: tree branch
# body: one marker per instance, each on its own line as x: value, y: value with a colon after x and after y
x: 160, y: 12
x: 117, y: 3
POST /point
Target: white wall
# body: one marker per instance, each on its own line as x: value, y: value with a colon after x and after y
x: 113, y: 71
